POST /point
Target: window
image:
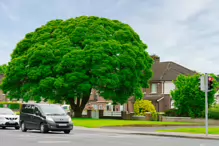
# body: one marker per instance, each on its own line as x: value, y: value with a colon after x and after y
x: 36, y: 110
x: 154, y: 88
x: 27, y: 108
x: 100, y: 107
x: 52, y: 109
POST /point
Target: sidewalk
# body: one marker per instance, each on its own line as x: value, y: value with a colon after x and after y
x: 179, y: 135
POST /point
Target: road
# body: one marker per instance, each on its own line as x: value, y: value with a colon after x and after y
x: 80, y: 137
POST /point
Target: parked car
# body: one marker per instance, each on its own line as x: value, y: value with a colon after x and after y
x: 45, y: 117
x: 8, y: 118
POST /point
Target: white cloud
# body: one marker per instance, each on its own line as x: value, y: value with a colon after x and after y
x: 184, y: 31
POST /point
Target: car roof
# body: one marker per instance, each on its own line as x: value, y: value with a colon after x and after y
x: 40, y: 104
x: 4, y: 108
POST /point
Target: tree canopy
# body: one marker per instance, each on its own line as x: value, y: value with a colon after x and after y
x: 3, y: 69
x: 64, y: 60
x: 189, y: 100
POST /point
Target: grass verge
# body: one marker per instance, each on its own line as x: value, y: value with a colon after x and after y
x: 193, y: 130
x: 98, y: 123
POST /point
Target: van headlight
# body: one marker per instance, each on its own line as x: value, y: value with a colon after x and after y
x: 69, y: 120
x: 49, y: 119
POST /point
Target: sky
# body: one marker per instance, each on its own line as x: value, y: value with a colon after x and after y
x: 182, y: 31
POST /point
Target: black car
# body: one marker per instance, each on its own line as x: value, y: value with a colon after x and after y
x: 44, y: 117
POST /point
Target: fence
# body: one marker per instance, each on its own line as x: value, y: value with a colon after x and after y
x: 112, y: 114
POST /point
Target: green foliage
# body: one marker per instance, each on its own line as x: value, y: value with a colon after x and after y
x: 143, y: 106
x: 171, y: 113
x: 188, y: 98
x: 213, y: 113
x: 3, y: 69
x: 11, y: 105
x: 64, y: 60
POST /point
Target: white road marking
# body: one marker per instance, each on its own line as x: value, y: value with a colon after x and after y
x: 54, y: 142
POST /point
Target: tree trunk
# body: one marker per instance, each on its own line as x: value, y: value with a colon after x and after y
x: 78, y: 113
x: 79, y: 105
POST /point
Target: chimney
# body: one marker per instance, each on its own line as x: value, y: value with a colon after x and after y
x: 155, y: 58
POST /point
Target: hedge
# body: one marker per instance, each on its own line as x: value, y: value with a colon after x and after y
x: 11, y: 105
x: 213, y: 113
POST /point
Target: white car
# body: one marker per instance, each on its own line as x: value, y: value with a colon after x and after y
x: 8, y: 118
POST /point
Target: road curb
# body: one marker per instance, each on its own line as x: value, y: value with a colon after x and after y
x: 176, y: 135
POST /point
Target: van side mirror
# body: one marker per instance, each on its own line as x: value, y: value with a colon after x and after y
x: 37, y: 113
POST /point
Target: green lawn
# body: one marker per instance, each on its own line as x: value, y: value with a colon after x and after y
x: 193, y: 130
x: 97, y: 123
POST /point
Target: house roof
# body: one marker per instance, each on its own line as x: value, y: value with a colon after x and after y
x: 168, y: 71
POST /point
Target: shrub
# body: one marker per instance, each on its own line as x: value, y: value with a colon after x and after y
x: 213, y: 113
x: 11, y: 105
x: 174, y: 113
x: 155, y: 116
x: 14, y: 106
x: 143, y: 106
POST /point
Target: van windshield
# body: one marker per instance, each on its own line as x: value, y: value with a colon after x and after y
x: 52, y: 110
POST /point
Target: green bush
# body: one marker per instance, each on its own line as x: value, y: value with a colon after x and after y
x: 213, y: 113
x: 171, y: 113
x: 11, y: 105
x: 14, y: 106
x: 1, y: 105
x: 155, y: 116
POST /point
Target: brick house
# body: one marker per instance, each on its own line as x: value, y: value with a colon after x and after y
x: 2, y: 96
x: 98, y: 102
x: 161, y: 84
x: 159, y: 91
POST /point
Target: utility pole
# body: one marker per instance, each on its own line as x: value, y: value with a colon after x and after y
x: 206, y: 104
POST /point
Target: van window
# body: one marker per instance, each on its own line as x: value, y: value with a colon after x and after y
x: 36, y: 109
x: 52, y: 110
x: 27, y: 108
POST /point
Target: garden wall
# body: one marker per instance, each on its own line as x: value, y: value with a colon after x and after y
x: 188, y: 119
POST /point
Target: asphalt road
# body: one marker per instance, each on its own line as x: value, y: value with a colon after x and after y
x: 78, y: 137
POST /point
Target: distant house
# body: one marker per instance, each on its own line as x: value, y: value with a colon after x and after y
x: 161, y: 84
x: 2, y: 96
x: 159, y: 91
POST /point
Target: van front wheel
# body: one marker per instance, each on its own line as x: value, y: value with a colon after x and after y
x: 23, y: 127
x: 67, y: 131
x: 43, y: 128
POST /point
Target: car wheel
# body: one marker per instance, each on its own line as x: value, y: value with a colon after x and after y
x: 17, y: 127
x: 43, y: 128
x: 23, y: 127
x: 3, y: 127
x: 67, y: 131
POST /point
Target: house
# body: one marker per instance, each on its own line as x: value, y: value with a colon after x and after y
x: 97, y: 102
x: 161, y: 84
x: 2, y: 95
x: 159, y: 91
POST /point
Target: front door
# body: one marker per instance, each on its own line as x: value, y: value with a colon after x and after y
x: 36, y: 118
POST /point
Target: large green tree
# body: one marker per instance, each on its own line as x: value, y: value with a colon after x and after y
x: 188, y: 98
x: 3, y: 69
x: 64, y: 60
